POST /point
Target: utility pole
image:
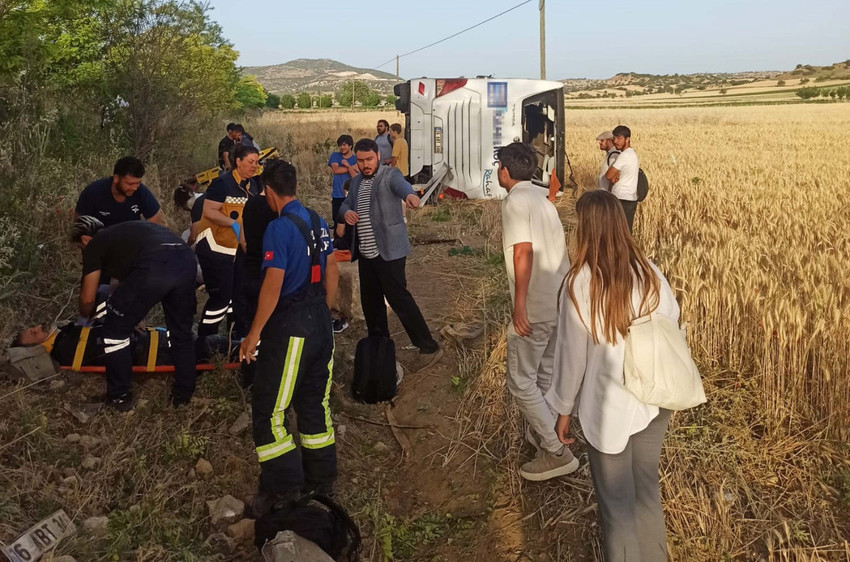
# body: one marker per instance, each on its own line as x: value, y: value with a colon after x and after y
x: 543, y: 39
x: 397, y: 77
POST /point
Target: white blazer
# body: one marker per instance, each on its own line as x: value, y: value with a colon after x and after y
x: 588, y: 377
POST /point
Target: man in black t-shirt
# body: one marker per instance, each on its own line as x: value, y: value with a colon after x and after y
x: 256, y: 216
x: 227, y: 144
x: 153, y: 265
x: 120, y: 198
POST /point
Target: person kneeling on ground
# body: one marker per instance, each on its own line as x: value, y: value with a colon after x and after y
x: 536, y: 260
x: 294, y: 362
x: 609, y: 284
x: 152, y: 265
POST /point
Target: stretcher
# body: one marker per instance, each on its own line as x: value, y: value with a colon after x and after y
x: 150, y: 367
x: 156, y: 369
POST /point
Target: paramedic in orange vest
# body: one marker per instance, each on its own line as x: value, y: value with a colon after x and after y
x: 220, y: 244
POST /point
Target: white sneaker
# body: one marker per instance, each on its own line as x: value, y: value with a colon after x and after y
x: 548, y: 465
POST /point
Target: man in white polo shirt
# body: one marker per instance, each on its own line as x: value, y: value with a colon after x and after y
x: 536, y: 260
x: 624, y: 173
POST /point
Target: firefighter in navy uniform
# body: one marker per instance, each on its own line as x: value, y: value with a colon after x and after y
x: 220, y: 243
x: 153, y: 265
x: 294, y: 360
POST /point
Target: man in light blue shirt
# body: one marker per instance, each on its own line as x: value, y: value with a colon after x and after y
x: 384, y: 141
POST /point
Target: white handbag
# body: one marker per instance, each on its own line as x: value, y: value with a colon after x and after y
x: 659, y: 369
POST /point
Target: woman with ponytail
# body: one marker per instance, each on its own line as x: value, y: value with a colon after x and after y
x: 610, y: 283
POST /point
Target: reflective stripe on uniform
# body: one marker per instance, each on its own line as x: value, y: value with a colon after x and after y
x: 111, y: 346
x: 214, y: 246
x: 283, y: 441
x: 216, y: 316
x: 276, y: 449
x: 327, y: 438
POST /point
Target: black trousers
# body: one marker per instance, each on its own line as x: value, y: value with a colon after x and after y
x: 242, y: 312
x: 218, y: 270
x: 381, y: 279
x: 629, y: 207
x: 251, y: 291
x: 336, y: 204
x: 168, y: 276
x: 294, y: 368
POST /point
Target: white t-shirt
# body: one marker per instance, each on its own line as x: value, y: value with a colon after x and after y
x: 628, y: 164
x: 588, y: 377
x: 607, y: 162
x: 528, y: 216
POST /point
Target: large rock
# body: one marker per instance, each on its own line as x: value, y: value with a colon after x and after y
x: 290, y: 547
x: 348, y: 294
x: 225, y: 510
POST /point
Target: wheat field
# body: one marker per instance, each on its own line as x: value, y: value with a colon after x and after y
x: 746, y: 217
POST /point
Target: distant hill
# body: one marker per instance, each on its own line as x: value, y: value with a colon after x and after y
x: 667, y: 82
x: 317, y: 75
x: 837, y: 71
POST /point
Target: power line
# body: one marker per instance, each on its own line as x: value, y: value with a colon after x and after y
x: 455, y: 34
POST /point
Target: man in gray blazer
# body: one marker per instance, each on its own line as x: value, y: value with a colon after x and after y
x: 381, y: 246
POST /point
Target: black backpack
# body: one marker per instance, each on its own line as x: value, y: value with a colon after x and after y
x: 642, y: 186
x: 374, y: 370
x: 316, y: 518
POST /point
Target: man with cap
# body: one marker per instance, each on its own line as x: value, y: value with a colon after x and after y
x: 292, y: 340
x: 152, y: 265
x: 606, y: 145
x: 624, y: 172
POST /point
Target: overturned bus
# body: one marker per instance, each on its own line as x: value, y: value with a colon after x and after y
x: 455, y: 126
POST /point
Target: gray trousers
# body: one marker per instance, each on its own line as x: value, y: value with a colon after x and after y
x: 531, y: 361
x: 626, y: 487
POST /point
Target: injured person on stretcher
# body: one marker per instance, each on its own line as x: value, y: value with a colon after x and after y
x: 77, y: 346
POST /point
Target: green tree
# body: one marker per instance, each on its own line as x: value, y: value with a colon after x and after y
x: 287, y: 101
x: 326, y: 100
x: 390, y: 99
x: 305, y: 101
x: 171, y: 65
x: 273, y: 101
x: 352, y: 92
x: 372, y: 99
x: 780, y: 82
x: 807, y: 93
x: 249, y: 93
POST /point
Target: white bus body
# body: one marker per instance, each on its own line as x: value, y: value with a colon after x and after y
x: 457, y: 125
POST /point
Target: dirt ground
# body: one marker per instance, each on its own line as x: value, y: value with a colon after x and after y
x: 441, y: 485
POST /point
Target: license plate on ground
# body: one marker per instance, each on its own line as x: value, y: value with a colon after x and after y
x: 40, y: 538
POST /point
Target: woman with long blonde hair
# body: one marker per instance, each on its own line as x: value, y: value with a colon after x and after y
x: 611, y: 282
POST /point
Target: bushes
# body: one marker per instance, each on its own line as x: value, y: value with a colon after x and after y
x: 82, y: 83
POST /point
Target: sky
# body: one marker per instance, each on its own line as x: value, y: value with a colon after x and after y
x: 583, y: 39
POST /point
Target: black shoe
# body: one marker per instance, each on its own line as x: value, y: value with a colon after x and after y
x: 123, y: 403
x: 178, y: 401
x: 325, y: 489
x: 340, y: 325
x: 264, y: 503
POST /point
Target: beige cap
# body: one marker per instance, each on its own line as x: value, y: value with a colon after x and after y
x: 607, y: 135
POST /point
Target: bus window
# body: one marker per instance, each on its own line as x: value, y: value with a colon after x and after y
x: 538, y: 131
